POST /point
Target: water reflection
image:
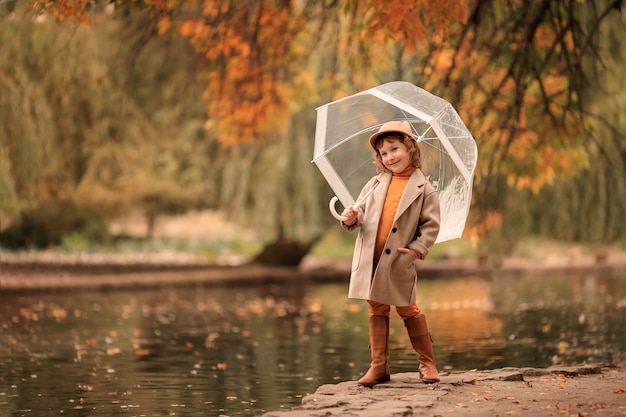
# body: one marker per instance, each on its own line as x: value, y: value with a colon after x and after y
x: 240, y: 351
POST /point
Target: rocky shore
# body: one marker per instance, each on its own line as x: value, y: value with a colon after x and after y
x: 582, y: 391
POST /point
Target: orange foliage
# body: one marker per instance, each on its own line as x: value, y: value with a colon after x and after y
x: 408, y: 22
x: 63, y: 9
x: 257, y: 55
x: 523, y: 126
x: 258, y: 70
x: 492, y: 220
x: 248, y: 47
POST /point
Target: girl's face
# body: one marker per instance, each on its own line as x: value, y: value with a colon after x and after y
x: 394, y: 155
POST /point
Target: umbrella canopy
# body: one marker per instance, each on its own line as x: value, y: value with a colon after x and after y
x: 343, y: 154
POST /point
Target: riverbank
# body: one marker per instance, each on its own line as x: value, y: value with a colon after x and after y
x: 582, y: 391
x: 50, y: 271
x: 80, y: 271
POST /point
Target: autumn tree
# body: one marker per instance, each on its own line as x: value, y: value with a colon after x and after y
x: 515, y: 71
x: 590, y: 205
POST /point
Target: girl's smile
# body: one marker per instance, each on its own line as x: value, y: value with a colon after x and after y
x: 395, y: 155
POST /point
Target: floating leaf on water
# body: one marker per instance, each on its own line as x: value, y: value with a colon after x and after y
x: 142, y: 352
x: 58, y: 312
x: 113, y: 351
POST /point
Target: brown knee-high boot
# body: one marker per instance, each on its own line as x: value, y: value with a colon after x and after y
x: 422, y: 344
x: 379, y: 342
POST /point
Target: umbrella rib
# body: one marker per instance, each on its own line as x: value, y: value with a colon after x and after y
x: 452, y: 151
x: 360, y: 132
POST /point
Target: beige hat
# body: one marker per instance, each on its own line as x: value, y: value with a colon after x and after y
x: 389, y: 127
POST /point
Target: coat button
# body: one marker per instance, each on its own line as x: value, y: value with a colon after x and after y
x: 394, y: 230
x: 387, y: 251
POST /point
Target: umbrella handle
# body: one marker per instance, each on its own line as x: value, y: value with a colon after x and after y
x: 333, y: 211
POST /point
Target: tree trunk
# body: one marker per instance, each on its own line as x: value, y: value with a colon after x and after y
x: 284, y: 252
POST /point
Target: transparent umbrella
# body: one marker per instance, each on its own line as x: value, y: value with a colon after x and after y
x: 344, y: 157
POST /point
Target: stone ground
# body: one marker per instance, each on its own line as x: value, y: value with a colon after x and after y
x: 583, y: 391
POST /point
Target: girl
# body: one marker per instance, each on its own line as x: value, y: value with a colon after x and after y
x: 399, y: 223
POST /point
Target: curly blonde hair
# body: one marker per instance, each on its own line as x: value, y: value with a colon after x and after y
x: 411, y: 144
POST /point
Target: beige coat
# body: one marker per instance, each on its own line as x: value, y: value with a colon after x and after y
x: 416, y: 225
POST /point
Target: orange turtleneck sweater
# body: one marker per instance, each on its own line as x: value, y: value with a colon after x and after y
x: 392, y: 199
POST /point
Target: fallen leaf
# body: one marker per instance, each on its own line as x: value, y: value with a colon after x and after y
x: 620, y: 391
x: 567, y: 408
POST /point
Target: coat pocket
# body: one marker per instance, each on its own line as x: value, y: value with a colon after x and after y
x: 403, y: 269
x: 358, y: 247
x: 407, y: 260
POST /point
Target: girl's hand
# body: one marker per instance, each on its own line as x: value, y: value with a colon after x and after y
x: 351, y: 214
x: 411, y: 251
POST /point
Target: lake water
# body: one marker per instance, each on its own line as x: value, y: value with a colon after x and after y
x: 242, y: 351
